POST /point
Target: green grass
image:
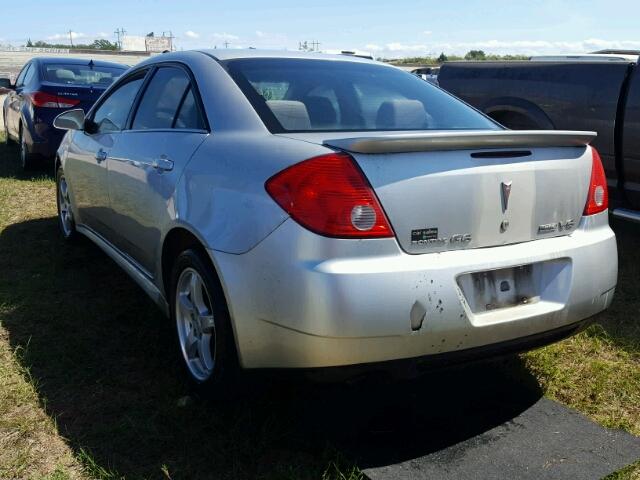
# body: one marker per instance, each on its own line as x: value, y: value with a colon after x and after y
x: 89, y: 385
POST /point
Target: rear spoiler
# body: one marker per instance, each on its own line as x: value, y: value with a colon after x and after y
x: 461, y: 140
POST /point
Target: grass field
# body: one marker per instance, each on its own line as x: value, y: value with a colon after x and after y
x: 89, y: 387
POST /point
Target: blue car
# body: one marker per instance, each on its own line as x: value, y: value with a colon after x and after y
x: 44, y: 88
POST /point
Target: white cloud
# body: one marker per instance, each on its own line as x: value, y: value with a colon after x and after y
x: 102, y: 35
x: 224, y: 36
x: 259, y: 33
x: 502, y: 47
x: 65, y: 36
x: 427, y: 32
x: 401, y: 47
x: 191, y: 34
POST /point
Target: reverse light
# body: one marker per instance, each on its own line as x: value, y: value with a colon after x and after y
x: 47, y: 100
x: 598, y: 199
x: 329, y: 195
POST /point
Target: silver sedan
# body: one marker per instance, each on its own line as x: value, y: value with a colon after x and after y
x: 295, y: 210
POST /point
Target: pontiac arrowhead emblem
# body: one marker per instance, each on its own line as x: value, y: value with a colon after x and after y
x: 506, y: 192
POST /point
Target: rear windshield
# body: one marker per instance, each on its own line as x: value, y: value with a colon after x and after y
x: 301, y: 95
x: 70, y: 74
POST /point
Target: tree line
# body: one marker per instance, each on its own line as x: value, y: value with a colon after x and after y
x: 477, y: 55
x: 100, y: 44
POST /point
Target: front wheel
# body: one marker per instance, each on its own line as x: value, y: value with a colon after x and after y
x: 201, y: 317
x: 65, y: 215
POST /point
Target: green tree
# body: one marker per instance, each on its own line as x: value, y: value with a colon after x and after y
x: 475, y: 55
x: 29, y: 43
x: 103, y: 44
x: 442, y: 58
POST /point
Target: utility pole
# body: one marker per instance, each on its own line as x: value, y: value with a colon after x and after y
x: 170, y: 37
x: 226, y: 44
x: 71, y: 38
x: 307, y: 46
x: 119, y: 32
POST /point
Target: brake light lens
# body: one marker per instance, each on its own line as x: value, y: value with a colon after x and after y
x: 598, y: 199
x: 47, y: 100
x: 329, y: 195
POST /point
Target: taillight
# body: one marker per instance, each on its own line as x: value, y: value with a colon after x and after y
x: 329, y: 195
x: 598, y: 199
x: 43, y: 99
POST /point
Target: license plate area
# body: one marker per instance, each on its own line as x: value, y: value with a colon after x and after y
x: 529, y: 284
x: 496, y: 289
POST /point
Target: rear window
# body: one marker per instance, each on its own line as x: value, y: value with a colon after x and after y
x: 70, y: 74
x: 299, y: 95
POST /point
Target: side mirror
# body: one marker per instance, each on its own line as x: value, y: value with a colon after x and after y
x: 5, y: 85
x: 70, y: 120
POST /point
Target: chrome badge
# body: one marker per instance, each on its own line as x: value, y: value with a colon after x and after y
x: 506, y: 192
x: 556, y: 227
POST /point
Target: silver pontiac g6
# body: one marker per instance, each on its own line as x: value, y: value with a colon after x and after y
x: 295, y: 210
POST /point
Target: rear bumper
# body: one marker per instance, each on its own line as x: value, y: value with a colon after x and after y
x: 43, y: 138
x: 299, y: 300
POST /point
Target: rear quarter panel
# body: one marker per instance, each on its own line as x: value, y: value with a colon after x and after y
x: 221, y: 194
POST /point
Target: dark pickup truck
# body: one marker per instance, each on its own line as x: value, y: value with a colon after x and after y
x: 598, y: 94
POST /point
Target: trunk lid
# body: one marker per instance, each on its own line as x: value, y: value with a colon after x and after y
x: 455, y: 190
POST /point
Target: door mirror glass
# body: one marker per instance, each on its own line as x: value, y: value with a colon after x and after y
x: 70, y: 120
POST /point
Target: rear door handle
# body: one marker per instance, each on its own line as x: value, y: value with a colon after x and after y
x: 101, y: 156
x: 162, y: 164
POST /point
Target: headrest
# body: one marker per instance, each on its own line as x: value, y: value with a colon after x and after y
x: 321, y: 112
x: 291, y: 114
x: 401, y: 114
x: 65, y: 75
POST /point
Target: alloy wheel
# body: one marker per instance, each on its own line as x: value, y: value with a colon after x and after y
x: 64, y: 207
x: 23, y: 152
x: 196, y: 324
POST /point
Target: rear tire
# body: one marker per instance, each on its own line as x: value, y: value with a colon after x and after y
x: 26, y: 158
x: 206, y: 348
x: 7, y: 140
x: 66, y: 222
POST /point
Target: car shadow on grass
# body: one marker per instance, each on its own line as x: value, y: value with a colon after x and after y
x: 102, y: 359
x: 9, y: 164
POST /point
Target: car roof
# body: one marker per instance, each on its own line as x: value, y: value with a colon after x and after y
x: 238, y: 53
x: 79, y: 61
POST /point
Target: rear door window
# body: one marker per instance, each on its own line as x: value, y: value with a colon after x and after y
x: 189, y: 116
x: 162, y: 100
x: 28, y: 76
x: 22, y: 75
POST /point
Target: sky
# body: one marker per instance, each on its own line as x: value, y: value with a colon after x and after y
x: 389, y: 29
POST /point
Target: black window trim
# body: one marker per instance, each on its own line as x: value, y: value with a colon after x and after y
x: 193, y: 86
x: 124, y: 79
